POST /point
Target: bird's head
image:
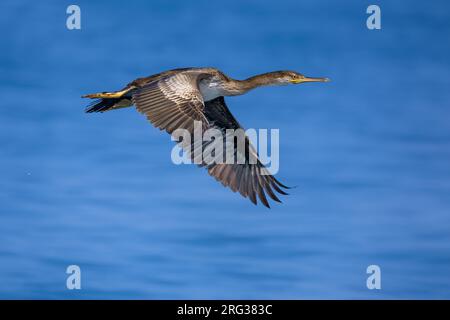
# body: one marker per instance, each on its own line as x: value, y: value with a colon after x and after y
x: 287, y: 77
x: 277, y: 78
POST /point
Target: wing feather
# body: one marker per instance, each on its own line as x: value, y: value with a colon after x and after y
x: 174, y: 101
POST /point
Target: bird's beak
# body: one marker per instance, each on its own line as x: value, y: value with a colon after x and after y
x: 308, y: 79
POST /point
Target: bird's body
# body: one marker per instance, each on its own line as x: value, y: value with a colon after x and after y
x: 175, y: 99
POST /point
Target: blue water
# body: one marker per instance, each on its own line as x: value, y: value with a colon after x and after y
x: 369, y: 152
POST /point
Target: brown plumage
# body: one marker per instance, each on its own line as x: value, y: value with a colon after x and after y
x: 176, y: 98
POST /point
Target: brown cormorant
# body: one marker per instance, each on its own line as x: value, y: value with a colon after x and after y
x: 176, y: 98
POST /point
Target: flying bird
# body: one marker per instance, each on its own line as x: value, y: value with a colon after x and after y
x: 176, y: 98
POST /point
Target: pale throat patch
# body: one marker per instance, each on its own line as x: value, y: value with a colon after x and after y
x: 210, y: 90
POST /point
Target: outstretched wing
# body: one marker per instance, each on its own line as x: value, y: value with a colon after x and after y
x: 175, y: 102
x: 251, y: 179
x: 172, y: 102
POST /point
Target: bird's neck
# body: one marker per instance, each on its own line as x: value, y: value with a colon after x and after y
x: 259, y: 80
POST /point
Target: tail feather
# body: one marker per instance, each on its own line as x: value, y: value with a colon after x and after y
x: 109, y: 100
x: 101, y: 105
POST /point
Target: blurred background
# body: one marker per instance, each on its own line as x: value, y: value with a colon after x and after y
x: 369, y: 153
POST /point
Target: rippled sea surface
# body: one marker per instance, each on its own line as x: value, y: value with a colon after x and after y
x: 369, y: 153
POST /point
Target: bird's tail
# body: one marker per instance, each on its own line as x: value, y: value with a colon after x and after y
x: 108, y: 101
x: 102, y: 105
